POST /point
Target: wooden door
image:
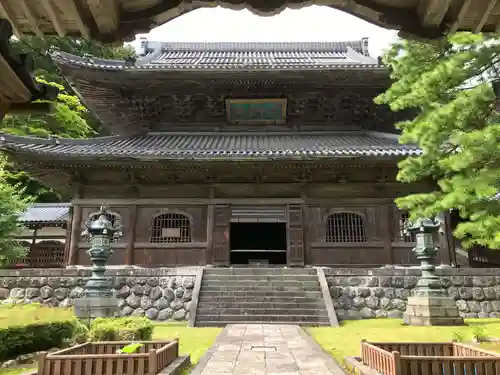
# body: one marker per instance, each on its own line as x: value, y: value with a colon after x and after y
x: 295, y: 235
x: 221, y: 251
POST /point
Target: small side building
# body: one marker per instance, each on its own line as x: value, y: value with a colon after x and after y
x: 45, y: 235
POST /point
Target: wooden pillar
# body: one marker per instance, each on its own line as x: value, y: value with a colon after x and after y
x: 295, y: 235
x: 210, y: 234
x: 221, y: 250
x: 387, y: 221
x: 67, y: 240
x: 75, y: 235
x: 129, y: 252
x: 32, y: 254
x: 447, y: 254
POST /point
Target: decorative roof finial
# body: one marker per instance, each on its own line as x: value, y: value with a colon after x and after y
x: 104, y: 209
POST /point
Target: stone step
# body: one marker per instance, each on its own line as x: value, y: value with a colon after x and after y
x: 261, y: 318
x: 259, y: 271
x: 284, y: 306
x: 260, y: 293
x: 243, y: 283
x: 225, y: 323
x: 254, y: 278
x: 261, y: 288
x: 209, y: 310
x: 258, y: 299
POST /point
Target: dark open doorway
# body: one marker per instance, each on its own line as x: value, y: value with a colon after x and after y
x: 258, y: 243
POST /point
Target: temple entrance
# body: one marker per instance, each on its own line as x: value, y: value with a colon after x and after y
x: 257, y: 243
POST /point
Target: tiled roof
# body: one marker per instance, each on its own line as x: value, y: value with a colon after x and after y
x: 46, y: 213
x: 233, y: 146
x: 237, y: 56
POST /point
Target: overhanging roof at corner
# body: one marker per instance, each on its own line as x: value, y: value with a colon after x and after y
x: 17, y: 85
x: 112, y: 20
x: 50, y: 213
x: 214, y: 146
x: 239, y: 56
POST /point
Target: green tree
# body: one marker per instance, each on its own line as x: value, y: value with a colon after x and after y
x: 69, y: 118
x: 12, y: 203
x: 449, y: 84
x: 40, y: 49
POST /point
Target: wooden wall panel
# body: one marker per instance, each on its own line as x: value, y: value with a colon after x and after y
x: 168, y: 257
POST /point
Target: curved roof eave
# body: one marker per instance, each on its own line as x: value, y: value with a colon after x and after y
x: 212, y: 146
x: 107, y: 21
x: 18, y: 86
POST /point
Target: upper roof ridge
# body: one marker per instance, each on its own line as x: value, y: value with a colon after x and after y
x: 360, y: 46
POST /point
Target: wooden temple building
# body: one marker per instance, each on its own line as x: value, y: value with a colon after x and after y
x: 235, y: 153
x: 112, y: 20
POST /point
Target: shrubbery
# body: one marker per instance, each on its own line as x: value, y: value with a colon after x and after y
x: 121, y: 329
x: 32, y: 328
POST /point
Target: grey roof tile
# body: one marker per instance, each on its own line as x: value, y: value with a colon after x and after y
x: 46, y: 213
x: 237, y: 56
x: 218, y: 145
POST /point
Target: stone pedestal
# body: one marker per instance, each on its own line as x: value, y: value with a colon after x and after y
x: 432, y: 311
x: 88, y: 308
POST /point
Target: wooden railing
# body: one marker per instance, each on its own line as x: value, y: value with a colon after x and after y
x: 101, y: 358
x: 429, y: 358
x: 378, y: 359
x: 419, y: 349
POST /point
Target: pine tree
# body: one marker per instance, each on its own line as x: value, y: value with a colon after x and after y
x: 449, y: 86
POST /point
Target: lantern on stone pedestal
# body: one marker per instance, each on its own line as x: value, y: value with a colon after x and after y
x: 98, y: 299
x: 429, y: 303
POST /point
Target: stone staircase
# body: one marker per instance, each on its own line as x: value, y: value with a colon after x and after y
x: 261, y: 295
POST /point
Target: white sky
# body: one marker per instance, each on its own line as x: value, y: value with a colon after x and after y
x: 314, y: 23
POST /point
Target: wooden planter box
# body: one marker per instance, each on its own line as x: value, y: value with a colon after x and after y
x: 100, y: 358
x: 428, y: 358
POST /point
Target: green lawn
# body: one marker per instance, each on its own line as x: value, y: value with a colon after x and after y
x: 31, y: 313
x: 346, y: 340
x: 193, y: 341
x: 493, y: 346
x: 14, y: 371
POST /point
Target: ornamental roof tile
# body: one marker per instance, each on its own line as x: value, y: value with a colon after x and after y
x: 46, y: 213
x: 236, y: 56
x: 206, y: 146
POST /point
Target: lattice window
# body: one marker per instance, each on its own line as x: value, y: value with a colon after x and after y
x: 171, y: 228
x: 42, y: 254
x: 26, y: 258
x: 345, y: 227
x: 403, y: 221
x: 47, y: 253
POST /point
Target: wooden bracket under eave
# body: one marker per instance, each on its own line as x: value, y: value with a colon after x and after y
x: 49, y: 8
x: 432, y: 12
x: 106, y: 14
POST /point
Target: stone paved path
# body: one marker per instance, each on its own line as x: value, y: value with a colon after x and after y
x: 265, y: 349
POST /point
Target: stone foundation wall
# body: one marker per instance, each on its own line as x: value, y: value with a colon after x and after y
x: 383, y: 292
x: 160, y: 294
